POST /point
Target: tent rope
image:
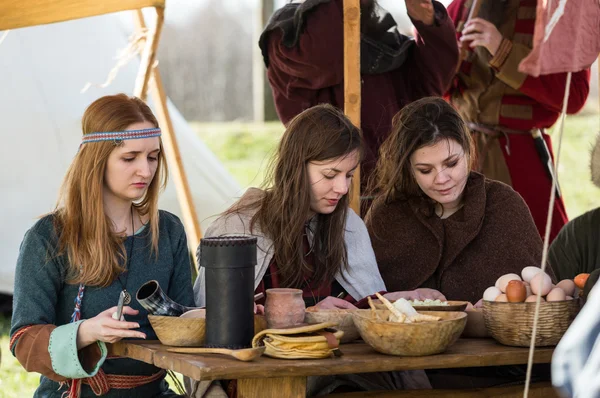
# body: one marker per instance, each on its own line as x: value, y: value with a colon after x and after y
x: 133, y: 49
x: 547, y: 234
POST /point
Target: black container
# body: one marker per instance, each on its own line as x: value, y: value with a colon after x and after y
x: 229, y: 263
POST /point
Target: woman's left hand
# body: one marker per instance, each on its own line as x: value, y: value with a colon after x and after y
x: 480, y: 32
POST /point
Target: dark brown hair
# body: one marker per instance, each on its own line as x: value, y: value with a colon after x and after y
x: 422, y: 123
x: 319, y: 133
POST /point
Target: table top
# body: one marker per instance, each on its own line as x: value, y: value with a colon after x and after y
x: 358, y: 357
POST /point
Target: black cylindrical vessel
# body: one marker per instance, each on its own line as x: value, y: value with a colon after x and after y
x: 229, y: 263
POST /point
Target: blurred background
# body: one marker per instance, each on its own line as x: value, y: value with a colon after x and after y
x: 221, y: 108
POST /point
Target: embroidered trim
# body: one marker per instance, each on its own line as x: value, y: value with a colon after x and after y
x: 118, y: 136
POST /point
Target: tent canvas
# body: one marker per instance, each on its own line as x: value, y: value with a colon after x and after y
x: 44, y: 69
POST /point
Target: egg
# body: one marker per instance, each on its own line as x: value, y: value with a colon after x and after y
x: 491, y: 293
x: 541, y: 282
x: 504, y: 279
x: 529, y: 272
x: 569, y: 298
x: 502, y: 298
x: 516, y: 292
x: 556, y: 294
x: 568, y: 286
x: 527, y: 288
x: 531, y: 299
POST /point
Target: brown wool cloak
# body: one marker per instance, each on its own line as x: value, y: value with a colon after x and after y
x: 491, y: 235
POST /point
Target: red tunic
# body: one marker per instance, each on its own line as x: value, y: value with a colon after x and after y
x: 312, y: 72
x: 491, y: 91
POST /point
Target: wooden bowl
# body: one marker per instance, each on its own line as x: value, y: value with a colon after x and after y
x: 410, y: 339
x: 452, y: 306
x: 188, y: 332
x: 512, y: 323
x: 342, y: 318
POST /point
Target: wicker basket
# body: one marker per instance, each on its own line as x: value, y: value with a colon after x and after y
x: 410, y: 339
x: 342, y: 318
x: 512, y: 323
x: 188, y: 332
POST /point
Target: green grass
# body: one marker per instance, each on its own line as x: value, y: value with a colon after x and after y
x: 245, y: 149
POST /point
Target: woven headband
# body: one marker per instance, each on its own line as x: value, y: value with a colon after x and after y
x: 120, y: 135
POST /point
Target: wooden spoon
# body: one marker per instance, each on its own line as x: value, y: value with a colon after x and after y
x: 244, y: 354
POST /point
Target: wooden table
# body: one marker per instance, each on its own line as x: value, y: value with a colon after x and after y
x: 268, y: 377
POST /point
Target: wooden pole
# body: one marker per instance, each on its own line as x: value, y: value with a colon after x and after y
x: 352, y: 80
x: 149, y: 56
x: 188, y: 210
x: 263, y: 104
x: 22, y: 13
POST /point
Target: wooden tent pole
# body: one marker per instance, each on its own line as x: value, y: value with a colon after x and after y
x: 188, y: 210
x: 149, y: 55
x: 22, y: 13
x: 352, y: 80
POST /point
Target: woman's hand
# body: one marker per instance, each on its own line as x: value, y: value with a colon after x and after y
x: 104, y: 328
x: 480, y: 32
x: 417, y: 294
x: 431, y: 294
x: 259, y: 309
x: 407, y: 295
x: 420, y: 10
x: 334, y: 302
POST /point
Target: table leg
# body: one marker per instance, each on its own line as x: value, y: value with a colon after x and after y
x: 272, y: 387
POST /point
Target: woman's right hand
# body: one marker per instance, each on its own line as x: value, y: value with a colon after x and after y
x: 104, y: 328
x: 334, y: 302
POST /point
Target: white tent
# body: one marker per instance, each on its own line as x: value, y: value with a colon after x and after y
x: 42, y: 71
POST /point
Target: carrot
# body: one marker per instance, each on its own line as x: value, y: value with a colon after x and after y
x: 580, y: 280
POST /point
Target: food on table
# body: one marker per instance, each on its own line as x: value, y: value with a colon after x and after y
x: 502, y: 298
x: 427, y: 302
x: 568, y: 286
x: 556, y: 294
x: 402, y: 312
x: 529, y: 272
x: 510, y: 287
x: 541, y: 283
x: 491, y: 293
x: 516, y: 292
x: 580, y: 280
x: 502, y: 282
x: 532, y: 299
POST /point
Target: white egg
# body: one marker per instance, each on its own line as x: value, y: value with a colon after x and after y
x: 529, y: 272
x: 491, y: 293
x: 541, y: 282
x: 568, y: 286
x: 556, y: 294
x: 504, y: 279
x: 532, y: 299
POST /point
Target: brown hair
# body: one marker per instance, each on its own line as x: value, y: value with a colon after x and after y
x: 86, y: 235
x: 319, y: 133
x: 421, y: 123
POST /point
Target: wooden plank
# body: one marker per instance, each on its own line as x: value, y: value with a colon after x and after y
x: 149, y: 54
x: 21, y: 13
x: 273, y: 387
x: 352, y: 90
x: 358, y: 357
x: 184, y: 195
x: 537, y: 390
